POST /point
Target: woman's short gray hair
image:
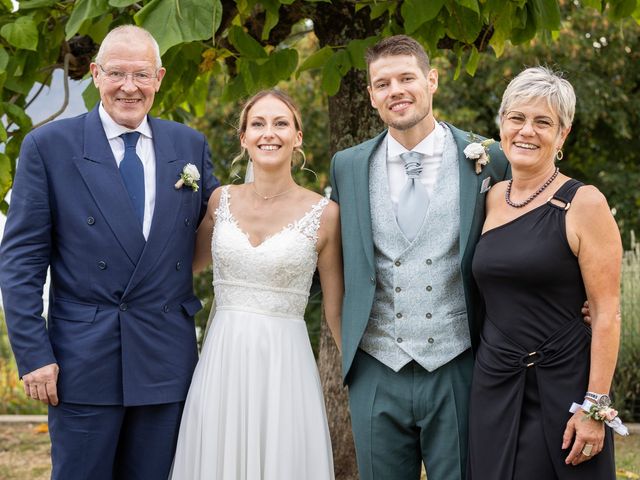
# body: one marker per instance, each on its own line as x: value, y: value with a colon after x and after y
x: 541, y: 82
x: 129, y: 31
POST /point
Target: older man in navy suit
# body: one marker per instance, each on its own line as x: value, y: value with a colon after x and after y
x: 98, y: 199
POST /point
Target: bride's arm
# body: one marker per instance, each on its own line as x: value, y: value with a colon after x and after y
x: 330, y: 269
x: 202, y: 253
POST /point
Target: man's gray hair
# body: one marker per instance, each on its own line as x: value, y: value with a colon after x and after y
x: 541, y: 82
x: 128, y: 31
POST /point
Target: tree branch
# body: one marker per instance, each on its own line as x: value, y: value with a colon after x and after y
x: 66, y: 93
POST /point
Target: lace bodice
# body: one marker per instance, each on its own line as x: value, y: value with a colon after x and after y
x: 273, y: 277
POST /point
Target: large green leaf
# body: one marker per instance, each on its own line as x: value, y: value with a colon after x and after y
x: 91, y: 96
x: 272, y: 17
x: 17, y: 115
x: 245, y: 43
x: 463, y: 24
x: 470, y: 4
x: 417, y: 12
x: 172, y: 22
x: 526, y: 31
x: 317, y: 59
x: 22, y: 33
x: 30, y: 4
x: 284, y: 62
x: 335, y: 68
x: 121, y: 3
x: 547, y: 14
x: 84, y: 10
x: 5, y: 177
x: 472, y: 63
x: 233, y: 90
x: 621, y: 8
x: 357, y: 48
x: 3, y: 133
x: 4, y: 59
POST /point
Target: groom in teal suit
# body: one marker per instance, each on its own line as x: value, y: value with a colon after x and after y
x: 412, y: 209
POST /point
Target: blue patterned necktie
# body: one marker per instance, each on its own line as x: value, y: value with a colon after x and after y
x: 414, y: 199
x: 132, y: 173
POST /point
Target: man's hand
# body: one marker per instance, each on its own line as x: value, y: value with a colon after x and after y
x: 586, y: 313
x: 41, y: 384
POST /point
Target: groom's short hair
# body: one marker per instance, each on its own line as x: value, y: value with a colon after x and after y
x: 398, y: 45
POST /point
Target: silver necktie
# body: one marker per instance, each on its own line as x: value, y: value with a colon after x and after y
x: 414, y: 199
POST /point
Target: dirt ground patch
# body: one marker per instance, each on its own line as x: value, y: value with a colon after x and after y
x: 25, y: 449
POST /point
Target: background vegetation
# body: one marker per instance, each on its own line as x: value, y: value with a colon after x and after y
x: 219, y: 51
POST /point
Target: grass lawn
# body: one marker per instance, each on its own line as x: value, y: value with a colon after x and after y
x: 25, y: 449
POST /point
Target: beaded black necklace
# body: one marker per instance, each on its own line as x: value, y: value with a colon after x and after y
x: 507, y: 194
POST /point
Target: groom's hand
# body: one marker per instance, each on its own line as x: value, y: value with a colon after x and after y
x: 41, y: 384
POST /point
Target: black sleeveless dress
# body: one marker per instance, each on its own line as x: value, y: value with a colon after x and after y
x: 533, y: 359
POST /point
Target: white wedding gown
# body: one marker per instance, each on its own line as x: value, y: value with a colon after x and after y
x: 255, y: 409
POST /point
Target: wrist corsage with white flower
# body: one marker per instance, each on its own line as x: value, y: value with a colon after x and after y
x: 598, y: 407
x: 478, y: 151
x: 189, y: 177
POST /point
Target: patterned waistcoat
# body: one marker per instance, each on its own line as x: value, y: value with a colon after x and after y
x: 419, y: 310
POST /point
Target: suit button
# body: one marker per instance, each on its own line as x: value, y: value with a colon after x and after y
x: 429, y: 262
x: 398, y: 263
x: 428, y: 315
x: 399, y: 340
x: 429, y: 288
x: 187, y: 221
x: 398, y: 315
x: 123, y: 307
x: 178, y: 265
x: 398, y: 289
x: 431, y: 340
x: 165, y: 309
x: 102, y: 265
x: 91, y: 220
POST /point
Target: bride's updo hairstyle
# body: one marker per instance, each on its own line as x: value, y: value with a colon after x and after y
x: 288, y: 101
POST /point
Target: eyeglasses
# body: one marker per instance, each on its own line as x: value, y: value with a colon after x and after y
x: 517, y: 120
x: 139, y: 78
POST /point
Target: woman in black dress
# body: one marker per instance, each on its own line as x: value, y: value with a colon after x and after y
x: 548, y: 243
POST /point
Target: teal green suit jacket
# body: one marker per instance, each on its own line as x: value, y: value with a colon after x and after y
x: 350, y: 188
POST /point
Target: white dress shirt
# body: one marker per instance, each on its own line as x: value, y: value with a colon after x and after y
x: 144, y: 149
x: 432, y: 146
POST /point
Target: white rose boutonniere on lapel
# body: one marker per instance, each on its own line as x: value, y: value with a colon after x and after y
x: 189, y: 177
x: 478, y: 151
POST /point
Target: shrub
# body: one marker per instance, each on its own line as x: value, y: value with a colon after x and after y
x: 626, y: 381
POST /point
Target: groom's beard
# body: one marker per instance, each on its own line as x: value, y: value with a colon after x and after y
x: 410, y: 122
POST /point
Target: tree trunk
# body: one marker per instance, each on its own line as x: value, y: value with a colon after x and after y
x: 352, y: 120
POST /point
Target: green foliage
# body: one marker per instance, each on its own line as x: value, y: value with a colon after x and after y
x: 602, y: 61
x: 626, y: 382
x: 246, y: 44
x: 12, y: 397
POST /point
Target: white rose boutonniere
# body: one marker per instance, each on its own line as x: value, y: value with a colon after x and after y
x: 189, y: 177
x: 479, y: 151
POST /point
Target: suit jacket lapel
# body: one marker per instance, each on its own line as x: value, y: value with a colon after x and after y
x: 360, y: 163
x: 469, y: 188
x: 100, y: 173
x: 168, y: 200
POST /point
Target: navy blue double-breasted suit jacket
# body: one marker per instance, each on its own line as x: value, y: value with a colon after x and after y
x: 120, y: 321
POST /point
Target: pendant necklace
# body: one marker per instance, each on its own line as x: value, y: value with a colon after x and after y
x: 269, y: 197
x: 507, y: 194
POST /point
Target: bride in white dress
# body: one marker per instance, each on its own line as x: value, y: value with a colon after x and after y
x: 255, y: 409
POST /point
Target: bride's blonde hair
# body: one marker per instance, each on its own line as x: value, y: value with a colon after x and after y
x: 244, y: 114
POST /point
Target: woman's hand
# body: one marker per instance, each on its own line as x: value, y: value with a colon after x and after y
x: 586, y: 432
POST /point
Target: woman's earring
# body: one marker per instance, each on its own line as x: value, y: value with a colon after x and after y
x: 559, y: 155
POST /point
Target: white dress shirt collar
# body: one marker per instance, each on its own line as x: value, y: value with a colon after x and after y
x: 430, y: 145
x: 114, y: 130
